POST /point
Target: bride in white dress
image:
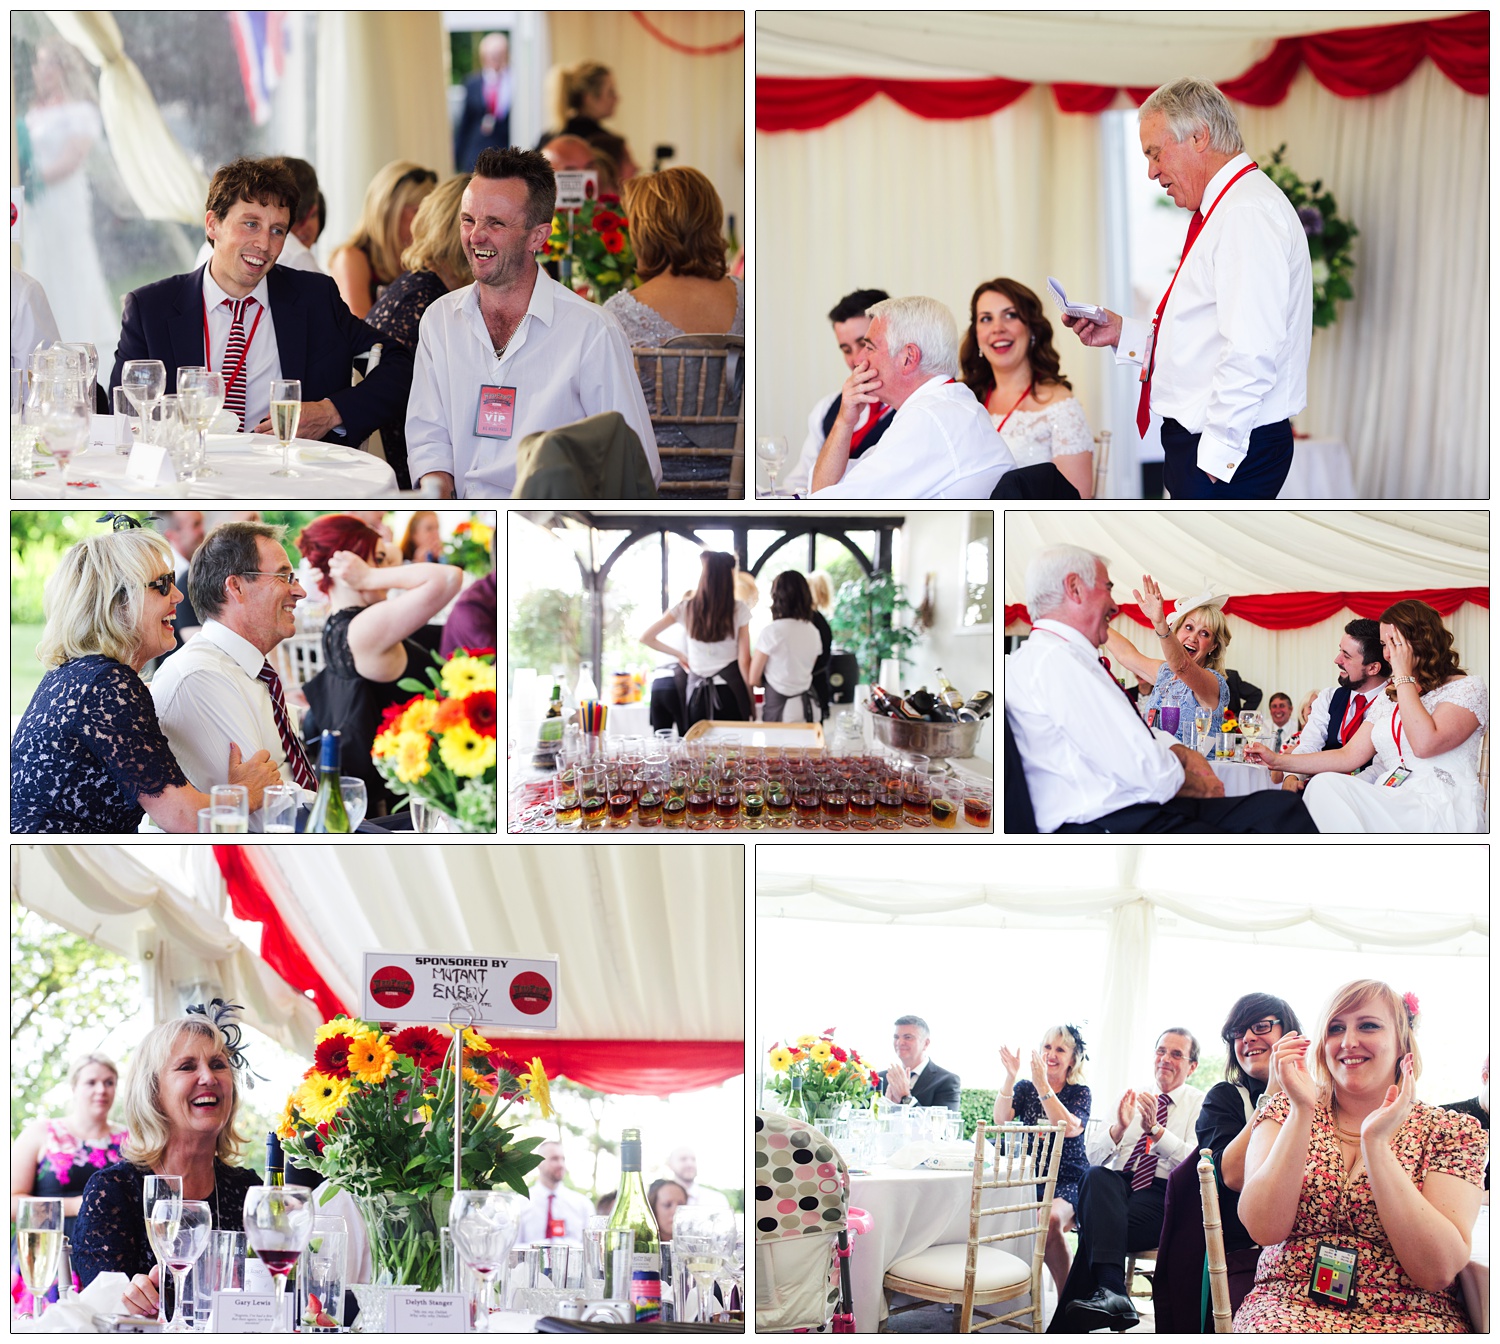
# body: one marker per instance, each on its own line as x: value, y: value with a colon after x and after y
x: 1424, y: 736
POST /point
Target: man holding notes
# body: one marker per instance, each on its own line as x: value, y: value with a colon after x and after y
x: 1224, y: 361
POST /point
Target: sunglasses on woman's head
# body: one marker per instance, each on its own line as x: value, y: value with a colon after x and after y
x: 164, y: 584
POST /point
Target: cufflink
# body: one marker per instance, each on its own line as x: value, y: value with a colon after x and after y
x: 1132, y: 354
x: 1229, y: 470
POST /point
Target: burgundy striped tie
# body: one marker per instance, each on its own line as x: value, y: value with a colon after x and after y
x: 1142, y: 1166
x: 302, y: 772
x: 234, y: 354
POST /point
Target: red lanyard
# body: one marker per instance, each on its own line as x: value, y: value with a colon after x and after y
x: 260, y: 309
x: 1396, y: 733
x: 1162, y: 307
x: 1019, y: 400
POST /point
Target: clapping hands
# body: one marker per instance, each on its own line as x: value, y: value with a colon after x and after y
x: 1289, y: 1063
x: 1039, y: 1074
x: 1381, y: 1124
x: 1010, y: 1060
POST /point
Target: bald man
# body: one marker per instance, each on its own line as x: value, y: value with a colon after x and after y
x: 555, y: 1213
x: 485, y: 121
x: 683, y: 1162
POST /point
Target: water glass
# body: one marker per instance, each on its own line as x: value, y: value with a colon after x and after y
x: 320, y: 1277
x: 205, y: 821
x: 356, y: 799
x: 221, y: 1270
x: 230, y: 805
x: 127, y: 422
x: 200, y: 397
x: 278, y: 809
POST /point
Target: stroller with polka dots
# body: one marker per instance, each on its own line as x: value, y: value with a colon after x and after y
x: 802, y: 1226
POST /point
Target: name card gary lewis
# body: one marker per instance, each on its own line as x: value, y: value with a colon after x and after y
x: 427, y: 1313
x: 427, y: 986
x: 244, y: 1313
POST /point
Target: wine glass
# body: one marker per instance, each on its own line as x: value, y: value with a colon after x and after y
x: 182, y: 1242
x: 484, y: 1224
x: 66, y: 417
x: 200, y: 397
x: 144, y: 380
x: 1202, y: 722
x: 1251, y: 723
x: 278, y: 1225
x: 356, y: 799
x: 772, y: 450
x: 163, y: 1194
x: 286, y: 411
x: 702, y: 1242
x: 39, y: 1238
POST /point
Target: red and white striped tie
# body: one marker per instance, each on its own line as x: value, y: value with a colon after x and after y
x: 1142, y: 1166
x: 302, y: 772
x: 234, y: 357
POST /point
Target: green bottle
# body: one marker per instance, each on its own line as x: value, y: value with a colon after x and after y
x: 633, y: 1211
x: 328, y: 814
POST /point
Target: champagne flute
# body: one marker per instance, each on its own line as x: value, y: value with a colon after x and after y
x: 772, y: 450
x: 182, y: 1242
x: 484, y: 1224
x: 200, y: 397
x: 39, y: 1238
x: 278, y: 1226
x: 702, y: 1243
x: 1202, y: 721
x: 160, y: 1195
x: 356, y: 799
x: 286, y: 411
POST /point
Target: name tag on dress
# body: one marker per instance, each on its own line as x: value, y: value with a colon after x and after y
x: 1396, y: 778
x: 496, y: 416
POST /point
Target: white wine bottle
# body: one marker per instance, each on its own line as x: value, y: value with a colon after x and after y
x: 328, y: 816
x: 633, y: 1212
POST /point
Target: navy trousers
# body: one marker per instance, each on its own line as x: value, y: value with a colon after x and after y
x: 1260, y: 476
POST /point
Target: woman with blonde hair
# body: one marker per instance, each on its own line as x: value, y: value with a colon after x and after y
x: 89, y: 755
x: 182, y: 1099
x: 1363, y: 1197
x: 371, y: 257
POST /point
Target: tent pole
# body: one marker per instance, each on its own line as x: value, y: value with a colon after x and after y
x: 458, y: 1091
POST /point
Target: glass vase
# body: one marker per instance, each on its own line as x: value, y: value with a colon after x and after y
x: 405, y: 1246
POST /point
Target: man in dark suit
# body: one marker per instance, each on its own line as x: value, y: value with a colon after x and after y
x: 913, y: 1079
x: 217, y: 316
x: 485, y: 120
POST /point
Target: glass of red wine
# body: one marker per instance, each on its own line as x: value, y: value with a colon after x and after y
x: 278, y: 1225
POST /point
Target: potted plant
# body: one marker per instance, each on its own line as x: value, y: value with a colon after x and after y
x: 864, y: 622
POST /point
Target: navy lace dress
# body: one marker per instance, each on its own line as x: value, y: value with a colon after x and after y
x: 1076, y: 1098
x: 397, y: 314
x: 87, y: 747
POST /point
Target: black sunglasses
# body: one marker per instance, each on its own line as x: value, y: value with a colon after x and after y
x: 417, y: 175
x: 164, y: 584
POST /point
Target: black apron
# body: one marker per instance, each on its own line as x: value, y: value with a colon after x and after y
x: 701, y: 699
x: 774, y: 702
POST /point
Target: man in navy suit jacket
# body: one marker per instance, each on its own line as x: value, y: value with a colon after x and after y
x: 485, y: 121
x: 311, y: 334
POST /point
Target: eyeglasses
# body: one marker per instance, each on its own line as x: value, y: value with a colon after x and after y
x: 1261, y: 1028
x: 164, y: 584
x: 281, y: 575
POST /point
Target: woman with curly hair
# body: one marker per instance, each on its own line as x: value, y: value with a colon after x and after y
x: 1009, y: 362
x: 1424, y: 736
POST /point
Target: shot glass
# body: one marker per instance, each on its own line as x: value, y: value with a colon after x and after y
x: 593, y: 800
x: 566, y: 811
x: 943, y: 804
x: 978, y: 805
x: 916, y: 791
x: 806, y: 800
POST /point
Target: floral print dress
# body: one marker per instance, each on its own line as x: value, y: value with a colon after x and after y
x: 1386, y: 1301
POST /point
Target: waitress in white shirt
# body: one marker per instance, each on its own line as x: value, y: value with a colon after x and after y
x: 787, y: 654
x: 713, y: 676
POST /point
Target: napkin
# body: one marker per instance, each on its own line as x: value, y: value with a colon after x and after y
x: 105, y: 1296
x: 226, y: 422
x: 931, y: 1155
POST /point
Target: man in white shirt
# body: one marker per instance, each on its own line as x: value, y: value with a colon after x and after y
x: 555, y: 1212
x: 32, y: 325
x: 1090, y: 764
x: 1280, y: 708
x: 220, y: 688
x: 941, y: 444
x: 1228, y: 366
x: 1123, y: 1195
x: 1340, y: 710
x: 682, y: 1161
x: 515, y: 352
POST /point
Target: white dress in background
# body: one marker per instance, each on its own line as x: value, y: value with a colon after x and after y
x: 1057, y: 430
x: 1442, y: 794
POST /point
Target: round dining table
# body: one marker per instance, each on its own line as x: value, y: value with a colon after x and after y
x: 1241, y: 777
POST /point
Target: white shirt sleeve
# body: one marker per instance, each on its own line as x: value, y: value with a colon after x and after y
x: 608, y: 382
x: 1134, y: 345
x: 31, y: 322
x: 201, y: 714
x: 429, y: 440
x: 1315, y: 733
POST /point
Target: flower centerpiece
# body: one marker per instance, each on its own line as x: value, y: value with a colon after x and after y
x: 469, y: 547
x: 374, y: 1114
x: 824, y: 1072
x: 440, y: 745
x: 596, y: 237
x: 1329, y: 239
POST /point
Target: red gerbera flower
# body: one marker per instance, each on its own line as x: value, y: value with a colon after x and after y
x: 480, y: 653
x: 425, y: 1046
x: 840, y: 1054
x: 606, y: 219
x: 480, y: 707
x: 613, y: 240
x: 332, y: 1055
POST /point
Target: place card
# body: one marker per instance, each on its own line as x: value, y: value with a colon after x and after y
x: 149, y: 464
x: 427, y: 1313
x: 244, y: 1313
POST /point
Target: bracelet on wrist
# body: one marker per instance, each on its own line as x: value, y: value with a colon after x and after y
x: 1006, y: 1095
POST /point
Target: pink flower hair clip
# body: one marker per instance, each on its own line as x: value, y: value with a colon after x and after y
x: 1413, y: 1008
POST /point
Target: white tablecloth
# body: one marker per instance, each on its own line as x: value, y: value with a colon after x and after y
x: 244, y: 462
x: 912, y: 1210
x: 1240, y: 778
x: 1321, y: 469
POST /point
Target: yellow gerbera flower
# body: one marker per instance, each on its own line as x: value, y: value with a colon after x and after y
x: 465, y: 752
x: 805, y: 1041
x: 411, y: 757
x: 475, y: 1042
x: 418, y: 716
x: 286, y: 1124
x: 821, y: 1051
x: 481, y: 534
x: 340, y: 1025
x: 534, y: 1080
x: 371, y: 1059
x: 461, y: 675
x: 321, y: 1097
x: 781, y: 1059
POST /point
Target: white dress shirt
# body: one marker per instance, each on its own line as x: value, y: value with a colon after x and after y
x: 1085, y: 751
x: 31, y: 322
x: 569, y: 1205
x: 568, y: 360
x: 262, y: 359
x: 1179, y: 1135
x: 799, y: 480
x: 298, y: 255
x: 941, y: 445
x: 207, y: 695
x: 1315, y: 732
x: 1232, y: 351
x: 700, y: 1196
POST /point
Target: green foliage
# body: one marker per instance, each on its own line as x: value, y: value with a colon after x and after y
x: 66, y: 995
x: 976, y: 1104
x: 597, y: 237
x: 548, y: 628
x: 1210, y: 1070
x: 864, y: 621
x: 37, y: 543
x: 1329, y: 238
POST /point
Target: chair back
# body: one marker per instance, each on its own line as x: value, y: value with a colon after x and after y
x: 1213, y: 1239
x: 1101, y: 462
x: 1023, y: 1159
x: 698, y: 379
x: 1020, y: 819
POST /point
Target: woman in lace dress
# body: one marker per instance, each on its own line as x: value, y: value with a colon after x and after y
x: 1009, y: 362
x: 677, y: 229
x: 1424, y: 736
x: 89, y: 755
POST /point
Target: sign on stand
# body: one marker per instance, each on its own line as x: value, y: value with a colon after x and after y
x: 515, y: 992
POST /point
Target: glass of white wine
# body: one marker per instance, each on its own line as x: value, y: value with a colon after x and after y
x: 1202, y: 722
x: 200, y: 397
x: 286, y: 411
x: 701, y: 1245
x: 231, y: 809
x: 39, y: 1238
x: 278, y: 806
x: 356, y: 799
x: 160, y: 1196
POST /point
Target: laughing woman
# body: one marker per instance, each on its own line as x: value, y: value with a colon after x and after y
x: 89, y: 755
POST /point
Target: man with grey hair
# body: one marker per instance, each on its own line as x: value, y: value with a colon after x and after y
x: 1224, y: 361
x: 913, y: 1079
x: 940, y: 444
x: 1089, y: 762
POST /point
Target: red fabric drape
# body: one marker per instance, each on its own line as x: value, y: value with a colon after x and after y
x: 278, y: 949
x: 1292, y: 611
x: 1351, y: 62
x: 716, y: 49
x: 648, y: 1068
